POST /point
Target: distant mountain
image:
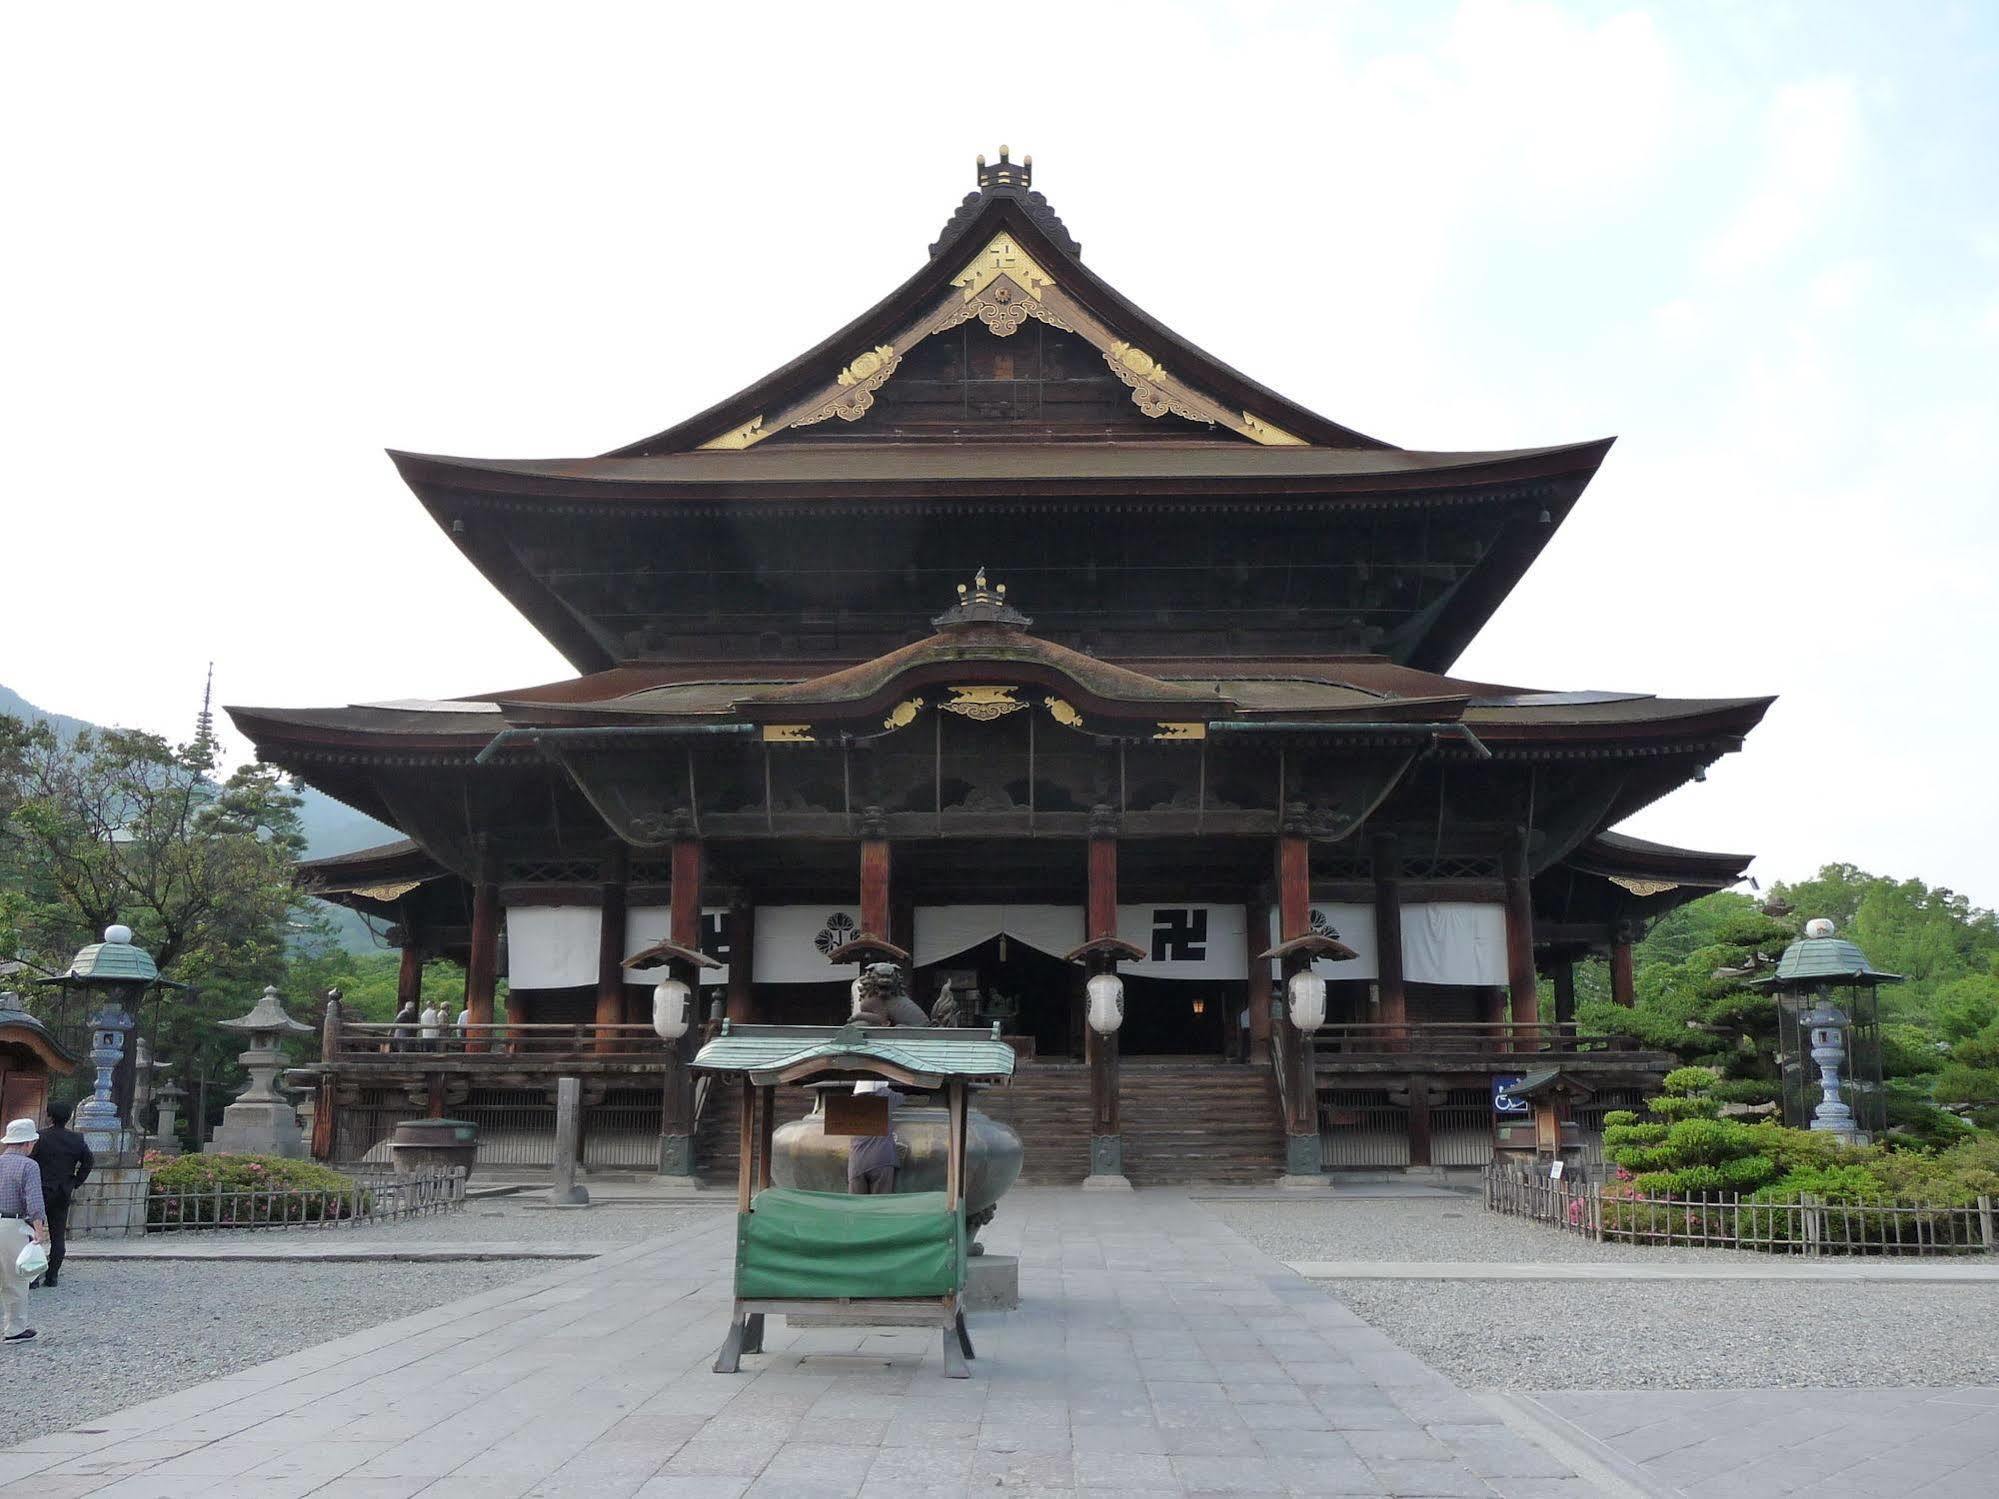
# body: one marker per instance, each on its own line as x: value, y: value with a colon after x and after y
x: 330, y: 827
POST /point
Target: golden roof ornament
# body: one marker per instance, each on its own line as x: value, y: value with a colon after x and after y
x: 981, y: 603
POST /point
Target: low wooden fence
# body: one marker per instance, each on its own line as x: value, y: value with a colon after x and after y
x: 367, y: 1199
x: 1809, y: 1226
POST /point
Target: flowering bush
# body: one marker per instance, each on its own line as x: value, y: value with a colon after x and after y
x: 206, y: 1191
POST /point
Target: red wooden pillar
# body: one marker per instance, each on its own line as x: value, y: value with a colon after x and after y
x: 676, y: 1115
x: 1258, y: 918
x: 1388, y: 940
x: 1294, y: 919
x: 409, y: 975
x: 1520, y: 941
x: 742, y: 925
x: 1622, y: 988
x: 1101, y: 1052
x: 482, y: 966
x: 875, y: 870
x: 611, y: 952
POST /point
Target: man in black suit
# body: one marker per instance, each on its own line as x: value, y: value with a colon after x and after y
x: 65, y: 1161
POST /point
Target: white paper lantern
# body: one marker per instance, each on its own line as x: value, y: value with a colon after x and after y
x: 1308, y: 1000
x: 1106, y: 1011
x: 672, y: 1008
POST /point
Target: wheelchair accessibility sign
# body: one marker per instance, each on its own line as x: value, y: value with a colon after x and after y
x: 1503, y: 1101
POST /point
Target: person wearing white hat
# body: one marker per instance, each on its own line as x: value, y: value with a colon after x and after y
x: 24, y: 1220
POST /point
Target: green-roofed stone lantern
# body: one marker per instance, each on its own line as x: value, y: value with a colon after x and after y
x: 119, y: 974
x: 1829, y: 1022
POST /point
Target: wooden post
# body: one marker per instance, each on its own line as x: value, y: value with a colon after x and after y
x: 1258, y: 917
x: 565, y: 1193
x: 742, y: 927
x: 409, y: 975
x: 1388, y: 940
x: 875, y: 918
x: 1565, y: 994
x: 1520, y: 941
x: 1622, y: 989
x: 1419, y: 1121
x: 1100, y: 920
x: 482, y: 966
x: 1302, y: 1160
x: 611, y: 951
x: 746, y: 1142
x: 676, y: 1114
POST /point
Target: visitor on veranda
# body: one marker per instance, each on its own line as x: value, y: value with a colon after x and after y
x: 65, y: 1162
x: 23, y: 1221
x: 430, y: 1025
x: 405, y: 1032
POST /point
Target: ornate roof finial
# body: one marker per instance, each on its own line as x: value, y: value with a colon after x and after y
x: 1007, y: 172
x: 981, y: 603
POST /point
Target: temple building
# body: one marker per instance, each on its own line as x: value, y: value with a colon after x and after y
x: 1009, y: 636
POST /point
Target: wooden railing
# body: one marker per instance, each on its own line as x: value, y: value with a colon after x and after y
x: 1484, y: 1038
x: 369, y: 1040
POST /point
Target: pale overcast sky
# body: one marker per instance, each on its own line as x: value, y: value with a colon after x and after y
x: 251, y: 246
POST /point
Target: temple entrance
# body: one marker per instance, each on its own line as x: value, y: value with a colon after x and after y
x: 1030, y: 993
x: 1180, y: 1017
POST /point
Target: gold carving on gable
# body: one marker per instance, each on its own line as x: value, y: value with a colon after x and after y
x: 1269, y: 436
x: 982, y: 703
x: 1642, y: 888
x: 1176, y: 731
x: 1147, y: 376
x: 748, y: 435
x: 858, y: 382
x: 787, y: 733
x: 903, y: 714
x: 1002, y: 257
x: 1063, y: 713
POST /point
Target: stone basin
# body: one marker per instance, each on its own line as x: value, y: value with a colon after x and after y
x: 803, y: 1155
x: 419, y: 1144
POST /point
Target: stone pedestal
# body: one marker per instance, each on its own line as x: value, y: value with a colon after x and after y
x: 112, y: 1204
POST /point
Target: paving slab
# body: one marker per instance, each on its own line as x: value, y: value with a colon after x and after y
x: 1981, y: 1270
x: 281, y: 1248
x: 1155, y: 1351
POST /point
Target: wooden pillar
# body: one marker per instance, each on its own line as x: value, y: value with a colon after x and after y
x: 741, y: 923
x: 409, y: 974
x: 1520, y: 939
x: 1101, y: 1052
x: 1388, y: 940
x: 676, y: 1114
x: 482, y: 966
x: 875, y: 869
x: 611, y: 951
x: 1258, y: 917
x: 1565, y: 992
x: 1419, y: 1121
x: 1622, y: 989
x: 1292, y: 1051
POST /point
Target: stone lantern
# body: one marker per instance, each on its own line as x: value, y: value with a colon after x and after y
x: 116, y: 974
x: 262, y: 1120
x: 1829, y: 1039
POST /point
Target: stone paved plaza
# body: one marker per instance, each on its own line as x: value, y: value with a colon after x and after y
x: 1156, y: 1352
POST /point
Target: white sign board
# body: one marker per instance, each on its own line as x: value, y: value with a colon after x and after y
x: 1185, y: 941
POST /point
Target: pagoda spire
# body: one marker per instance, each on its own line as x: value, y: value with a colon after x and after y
x: 204, y: 721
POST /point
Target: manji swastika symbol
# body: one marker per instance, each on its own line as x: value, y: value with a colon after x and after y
x: 1180, y: 936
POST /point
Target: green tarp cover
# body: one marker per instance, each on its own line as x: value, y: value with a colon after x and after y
x: 795, y: 1245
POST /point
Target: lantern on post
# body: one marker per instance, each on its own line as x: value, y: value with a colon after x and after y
x: 672, y: 1003
x: 1829, y: 1035
x: 115, y: 976
x: 1106, y: 1002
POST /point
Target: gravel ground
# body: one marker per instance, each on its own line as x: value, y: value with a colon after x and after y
x: 112, y: 1335
x: 1625, y: 1335
x: 1421, y: 1228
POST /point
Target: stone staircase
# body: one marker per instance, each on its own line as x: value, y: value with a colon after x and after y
x: 1184, y: 1121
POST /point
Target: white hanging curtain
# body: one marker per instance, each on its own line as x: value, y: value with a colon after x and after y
x: 552, y: 947
x: 945, y: 931
x: 645, y: 925
x: 1190, y: 941
x: 1454, y: 942
x: 792, y: 943
x: 1443, y: 942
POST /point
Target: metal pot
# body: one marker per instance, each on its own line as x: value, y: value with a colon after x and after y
x: 804, y: 1155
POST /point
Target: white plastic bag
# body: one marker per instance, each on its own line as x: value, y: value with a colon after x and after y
x: 32, y: 1261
